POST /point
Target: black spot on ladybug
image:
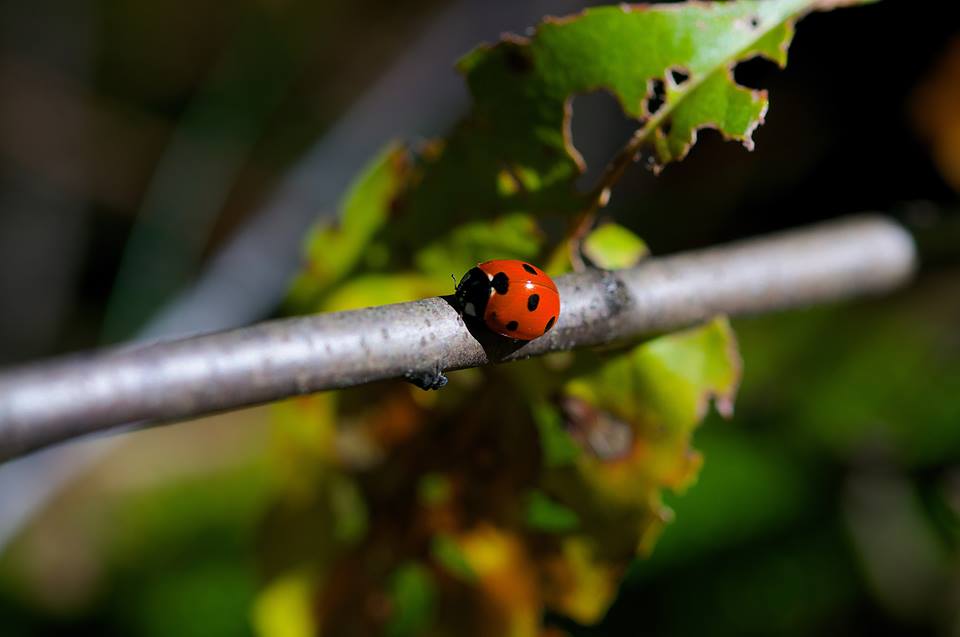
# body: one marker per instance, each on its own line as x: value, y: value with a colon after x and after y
x: 529, y: 268
x: 549, y: 324
x: 500, y: 283
x: 533, y: 302
x: 512, y: 326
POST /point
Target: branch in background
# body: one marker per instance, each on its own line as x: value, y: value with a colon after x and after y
x: 51, y: 402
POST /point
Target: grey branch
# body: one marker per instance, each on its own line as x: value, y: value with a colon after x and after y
x: 54, y: 401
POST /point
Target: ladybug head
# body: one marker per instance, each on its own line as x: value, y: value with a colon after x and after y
x: 473, y: 292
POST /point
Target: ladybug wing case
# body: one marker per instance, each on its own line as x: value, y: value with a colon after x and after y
x: 514, y: 298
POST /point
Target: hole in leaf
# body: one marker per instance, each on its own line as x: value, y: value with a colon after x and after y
x: 656, y: 96
x: 598, y: 130
x: 754, y: 73
x: 666, y: 127
x: 679, y: 76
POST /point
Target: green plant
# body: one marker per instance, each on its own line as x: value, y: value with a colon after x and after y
x: 527, y: 487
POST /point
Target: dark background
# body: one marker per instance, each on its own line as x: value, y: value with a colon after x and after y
x: 137, y: 138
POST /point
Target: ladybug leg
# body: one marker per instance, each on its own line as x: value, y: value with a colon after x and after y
x: 432, y: 379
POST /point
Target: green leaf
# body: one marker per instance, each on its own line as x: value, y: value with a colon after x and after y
x: 348, y: 511
x: 514, y: 236
x: 447, y: 552
x: 545, y: 514
x: 434, y: 489
x: 511, y: 161
x: 367, y: 290
x: 476, y: 195
x: 581, y: 446
x: 611, y: 247
x: 634, y: 413
x: 283, y: 608
x: 664, y: 386
x: 414, y: 597
x: 557, y: 447
x: 522, y: 89
x: 334, y: 250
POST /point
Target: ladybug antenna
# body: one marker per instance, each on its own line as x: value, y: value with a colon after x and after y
x: 452, y: 276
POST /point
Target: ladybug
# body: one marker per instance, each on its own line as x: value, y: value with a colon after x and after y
x: 513, y: 298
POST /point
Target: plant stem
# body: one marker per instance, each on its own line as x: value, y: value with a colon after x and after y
x: 53, y: 401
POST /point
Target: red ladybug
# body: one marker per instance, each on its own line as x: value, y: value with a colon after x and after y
x: 513, y: 298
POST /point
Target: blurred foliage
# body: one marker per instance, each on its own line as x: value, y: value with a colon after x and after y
x: 169, y: 558
x: 611, y: 246
x: 517, y: 496
x: 255, y: 54
x: 936, y: 114
x: 762, y: 541
x: 836, y: 491
x: 501, y: 185
x: 531, y: 487
x: 546, y: 479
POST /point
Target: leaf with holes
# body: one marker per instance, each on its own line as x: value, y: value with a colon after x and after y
x: 670, y: 67
x: 511, y: 161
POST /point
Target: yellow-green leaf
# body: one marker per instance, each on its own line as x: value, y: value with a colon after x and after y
x: 611, y: 247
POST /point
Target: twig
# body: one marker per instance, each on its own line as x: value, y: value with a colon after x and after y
x: 54, y: 401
